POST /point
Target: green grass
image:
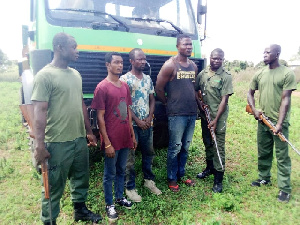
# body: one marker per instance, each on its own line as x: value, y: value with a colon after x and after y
x: 239, y: 204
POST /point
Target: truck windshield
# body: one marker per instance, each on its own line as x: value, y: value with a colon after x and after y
x: 158, y: 17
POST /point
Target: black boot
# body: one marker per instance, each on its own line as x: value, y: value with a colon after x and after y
x: 218, y: 179
x: 82, y: 213
x: 48, y: 223
x: 209, y: 170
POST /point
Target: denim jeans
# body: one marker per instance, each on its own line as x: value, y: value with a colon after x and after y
x: 144, y: 139
x: 181, y: 130
x: 114, y: 170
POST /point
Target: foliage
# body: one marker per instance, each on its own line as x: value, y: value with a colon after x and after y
x: 237, y: 65
x: 9, y: 74
x: 5, y: 63
x: 3, y: 57
x: 239, y: 204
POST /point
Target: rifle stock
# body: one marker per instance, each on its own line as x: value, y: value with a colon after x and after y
x: 269, y: 124
x: 45, y: 175
x: 44, y: 167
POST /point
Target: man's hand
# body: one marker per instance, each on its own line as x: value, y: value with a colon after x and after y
x: 141, y: 124
x: 257, y: 114
x: 92, y: 140
x: 213, y: 125
x: 110, y: 151
x: 148, y: 121
x: 41, y: 154
x: 278, y: 129
x: 134, y: 143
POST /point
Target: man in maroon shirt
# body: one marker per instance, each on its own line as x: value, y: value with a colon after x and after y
x: 112, y: 99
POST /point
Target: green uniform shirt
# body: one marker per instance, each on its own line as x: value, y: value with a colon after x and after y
x: 213, y: 86
x: 271, y: 83
x: 62, y: 89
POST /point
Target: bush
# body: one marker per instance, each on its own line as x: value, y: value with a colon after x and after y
x: 297, y: 73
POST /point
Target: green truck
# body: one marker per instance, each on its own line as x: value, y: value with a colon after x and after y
x: 101, y: 26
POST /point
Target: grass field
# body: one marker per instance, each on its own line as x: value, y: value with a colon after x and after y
x: 238, y: 204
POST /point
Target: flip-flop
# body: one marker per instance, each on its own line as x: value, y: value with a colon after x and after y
x: 174, y: 188
x: 189, y: 182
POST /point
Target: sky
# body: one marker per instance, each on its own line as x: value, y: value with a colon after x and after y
x: 242, y: 28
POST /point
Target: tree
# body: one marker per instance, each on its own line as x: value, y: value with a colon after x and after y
x: 243, y: 65
x: 3, y: 58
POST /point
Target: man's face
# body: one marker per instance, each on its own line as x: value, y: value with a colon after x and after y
x: 139, y: 61
x: 185, y: 47
x: 69, y: 51
x: 270, y: 55
x: 216, y: 60
x: 116, y: 65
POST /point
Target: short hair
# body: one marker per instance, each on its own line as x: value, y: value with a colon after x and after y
x: 60, y: 39
x: 276, y: 48
x: 181, y: 36
x: 108, y: 56
x: 218, y: 50
x: 132, y: 53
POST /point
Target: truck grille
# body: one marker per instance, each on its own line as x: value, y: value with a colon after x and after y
x: 91, y: 66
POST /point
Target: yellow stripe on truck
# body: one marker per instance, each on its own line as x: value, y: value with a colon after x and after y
x: 103, y: 48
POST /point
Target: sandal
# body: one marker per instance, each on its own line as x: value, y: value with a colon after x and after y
x: 189, y: 182
x: 174, y: 186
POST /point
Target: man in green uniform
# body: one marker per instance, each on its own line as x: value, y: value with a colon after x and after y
x: 61, y: 123
x: 215, y: 86
x: 275, y: 83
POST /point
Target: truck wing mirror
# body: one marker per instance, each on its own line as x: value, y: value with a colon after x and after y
x: 201, y: 10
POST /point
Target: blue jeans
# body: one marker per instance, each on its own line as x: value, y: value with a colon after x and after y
x: 144, y: 139
x: 181, y: 130
x: 114, y: 170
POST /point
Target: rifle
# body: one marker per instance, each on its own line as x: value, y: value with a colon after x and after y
x: 45, y: 170
x: 212, y: 132
x: 269, y: 124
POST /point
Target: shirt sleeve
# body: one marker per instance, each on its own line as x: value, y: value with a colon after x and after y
x: 99, y: 98
x: 227, y: 88
x: 151, y: 91
x: 290, y: 81
x: 41, y: 88
x: 254, y: 82
x: 129, y: 101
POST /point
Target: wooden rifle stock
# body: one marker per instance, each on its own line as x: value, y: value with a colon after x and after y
x: 44, y: 167
x: 269, y: 124
x: 45, y: 175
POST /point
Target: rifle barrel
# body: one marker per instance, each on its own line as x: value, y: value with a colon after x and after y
x: 269, y: 124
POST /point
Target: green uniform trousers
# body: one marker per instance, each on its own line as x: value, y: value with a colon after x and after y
x: 265, y: 145
x: 210, y: 149
x: 69, y: 160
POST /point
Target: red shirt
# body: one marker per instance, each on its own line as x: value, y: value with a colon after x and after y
x: 115, y: 101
